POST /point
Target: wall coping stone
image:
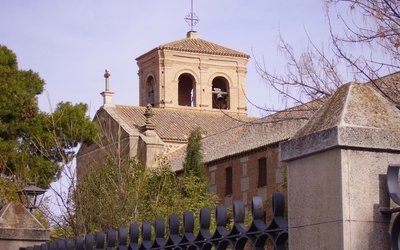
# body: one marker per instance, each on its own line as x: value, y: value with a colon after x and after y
x: 340, y: 136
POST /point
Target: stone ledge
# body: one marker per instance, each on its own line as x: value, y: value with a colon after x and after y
x: 24, y: 234
x: 340, y: 136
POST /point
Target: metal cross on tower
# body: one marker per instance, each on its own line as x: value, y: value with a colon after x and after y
x: 191, y: 18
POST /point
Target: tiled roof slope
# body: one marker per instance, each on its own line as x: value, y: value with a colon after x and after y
x: 176, y: 158
x: 176, y: 125
x: 245, y: 138
x: 197, y: 45
x: 263, y: 132
x: 250, y: 136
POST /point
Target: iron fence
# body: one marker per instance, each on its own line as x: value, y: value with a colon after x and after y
x: 238, y: 236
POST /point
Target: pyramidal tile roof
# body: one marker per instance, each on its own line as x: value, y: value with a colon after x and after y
x: 196, y: 45
x: 175, y: 124
x: 356, y: 105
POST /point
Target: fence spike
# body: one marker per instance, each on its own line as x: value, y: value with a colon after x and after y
x: 61, y: 245
x: 278, y: 204
x: 188, y: 222
x: 69, y: 244
x: 89, y: 241
x: 221, y: 216
x: 173, y: 223
x: 146, y: 235
x: 111, y: 238
x: 79, y: 243
x: 44, y: 247
x: 134, y: 233
x: 188, y: 227
x: 238, y: 212
x: 257, y: 208
x: 205, y: 218
x: 52, y: 246
x: 134, y: 236
x: 99, y: 240
x: 122, y: 236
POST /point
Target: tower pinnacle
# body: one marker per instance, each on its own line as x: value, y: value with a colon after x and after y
x: 107, y: 94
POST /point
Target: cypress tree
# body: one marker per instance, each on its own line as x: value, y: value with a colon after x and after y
x: 193, y: 164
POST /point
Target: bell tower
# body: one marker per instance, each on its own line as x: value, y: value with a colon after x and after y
x: 195, y: 74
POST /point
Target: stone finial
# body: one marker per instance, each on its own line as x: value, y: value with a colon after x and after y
x: 149, y: 113
x: 106, y: 76
x: 107, y: 94
x: 149, y: 127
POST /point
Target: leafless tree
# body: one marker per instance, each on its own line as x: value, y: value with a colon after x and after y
x: 367, y: 44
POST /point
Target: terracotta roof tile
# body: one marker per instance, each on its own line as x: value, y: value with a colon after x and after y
x: 225, y: 135
x: 197, y: 45
x: 176, y: 125
x: 249, y: 136
x: 176, y: 158
x: 263, y: 132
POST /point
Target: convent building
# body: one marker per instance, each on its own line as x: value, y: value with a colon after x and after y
x: 193, y: 83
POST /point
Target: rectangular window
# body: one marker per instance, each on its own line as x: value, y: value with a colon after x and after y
x: 228, y: 178
x: 262, y: 172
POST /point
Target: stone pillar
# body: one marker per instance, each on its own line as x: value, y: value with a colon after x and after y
x: 19, y: 228
x: 150, y: 144
x: 336, y: 170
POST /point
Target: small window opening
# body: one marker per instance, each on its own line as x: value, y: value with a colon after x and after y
x: 228, y: 178
x: 262, y: 172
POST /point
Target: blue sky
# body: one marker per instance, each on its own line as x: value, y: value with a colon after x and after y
x: 71, y: 43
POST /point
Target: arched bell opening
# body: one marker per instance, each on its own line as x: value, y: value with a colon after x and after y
x: 220, y: 93
x: 150, y: 90
x: 186, y: 90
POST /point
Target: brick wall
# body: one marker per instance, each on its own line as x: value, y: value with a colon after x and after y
x: 245, y: 177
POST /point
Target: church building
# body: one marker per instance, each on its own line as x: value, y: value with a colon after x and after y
x: 193, y: 83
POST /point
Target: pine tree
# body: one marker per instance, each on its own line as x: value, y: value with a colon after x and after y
x: 34, y: 145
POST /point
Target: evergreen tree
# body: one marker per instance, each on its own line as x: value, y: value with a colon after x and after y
x: 54, y: 140
x: 34, y: 144
x: 18, y: 106
x: 193, y: 164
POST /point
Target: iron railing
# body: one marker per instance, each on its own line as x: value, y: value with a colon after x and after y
x: 256, y: 236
